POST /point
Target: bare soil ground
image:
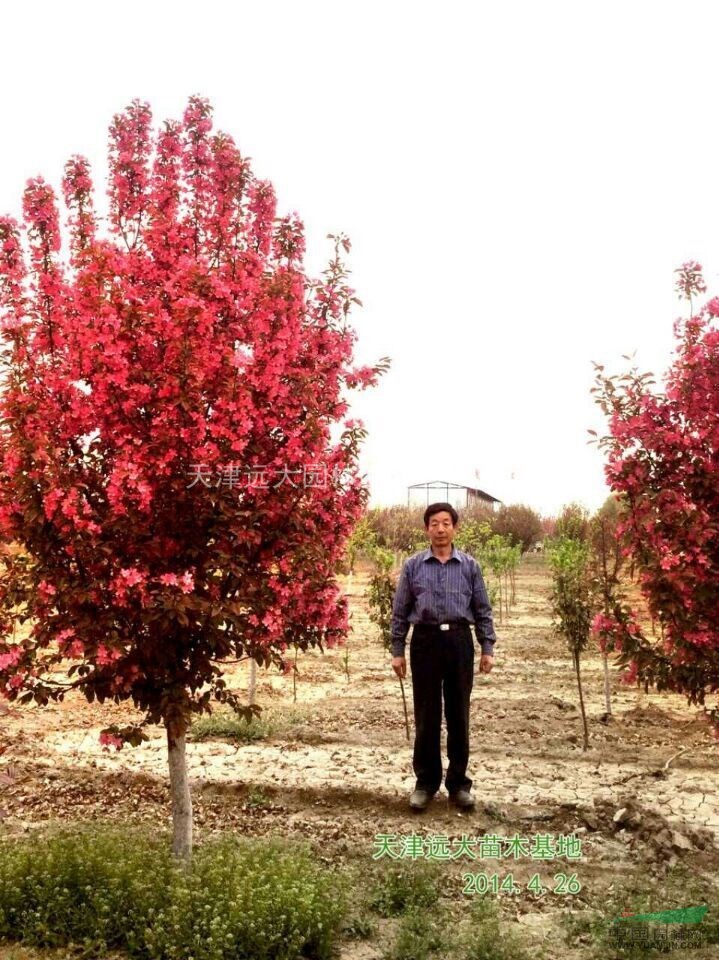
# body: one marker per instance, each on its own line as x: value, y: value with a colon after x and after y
x: 341, y: 773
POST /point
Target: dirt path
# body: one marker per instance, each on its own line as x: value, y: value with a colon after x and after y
x: 342, y: 774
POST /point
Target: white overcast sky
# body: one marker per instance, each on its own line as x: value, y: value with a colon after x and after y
x: 518, y: 180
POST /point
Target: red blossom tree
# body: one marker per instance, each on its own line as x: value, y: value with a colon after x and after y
x: 549, y: 525
x: 170, y: 494
x: 663, y: 456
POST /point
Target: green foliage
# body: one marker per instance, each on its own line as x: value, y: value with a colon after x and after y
x: 476, y: 538
x: 500, y: 555
x: 257, y: 799
x: 382, y: 586
x: 358, y: 926
x: 572, y: 523
x: 80, y: 888
x: 571, y: 596
x: 471, y: 537
x: 502, y: 558
x: 419, y: 937
x: 489, y: 939
x: 572, y: 602
x: 226, y: 724
x: 113, y: 889
x: 361, y: 543
x: 403, y: 886
x: 474, y: 535
x: 494, y: 592
x: 223, y: 724
x: 401, y: 529
x: 427, y: 931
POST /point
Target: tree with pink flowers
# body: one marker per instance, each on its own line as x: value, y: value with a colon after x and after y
x: 663, y: 455
x: 171, y: 497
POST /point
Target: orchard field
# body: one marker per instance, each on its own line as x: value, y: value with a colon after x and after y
x: 334, y: 767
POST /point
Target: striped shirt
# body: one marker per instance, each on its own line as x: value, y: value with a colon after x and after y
x: 430, y: 591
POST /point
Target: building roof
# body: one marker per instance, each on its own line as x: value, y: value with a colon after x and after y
x: 438, y: 484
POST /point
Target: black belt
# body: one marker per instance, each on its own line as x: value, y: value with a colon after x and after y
x: 445, y: 625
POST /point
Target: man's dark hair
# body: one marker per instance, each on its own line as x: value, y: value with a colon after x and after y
x: 437, y: 508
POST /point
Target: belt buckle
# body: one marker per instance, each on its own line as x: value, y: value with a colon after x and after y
x: 444, y: 626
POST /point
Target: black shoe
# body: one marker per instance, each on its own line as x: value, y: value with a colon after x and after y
x: 420, y: 799
x: 462, y: 799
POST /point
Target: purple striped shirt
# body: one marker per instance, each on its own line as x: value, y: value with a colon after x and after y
x: 432, y: 591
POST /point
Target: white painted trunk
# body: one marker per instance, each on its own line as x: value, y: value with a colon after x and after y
x: 179, y: 789
x: 253, y: 680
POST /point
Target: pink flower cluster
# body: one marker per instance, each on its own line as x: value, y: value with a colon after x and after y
x: 69, y: 644
x: 110, y: 740
x: 186, y: 582
x: 9, y: 659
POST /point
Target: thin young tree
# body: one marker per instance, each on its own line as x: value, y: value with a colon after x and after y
x: 380, y: 597
x: 571, y: 600
x: 607, y: 559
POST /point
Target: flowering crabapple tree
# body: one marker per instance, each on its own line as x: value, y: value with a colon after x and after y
x: 151, y: 371
x: 663, y: 456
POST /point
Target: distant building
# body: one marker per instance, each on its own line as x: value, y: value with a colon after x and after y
x: 458, y: 494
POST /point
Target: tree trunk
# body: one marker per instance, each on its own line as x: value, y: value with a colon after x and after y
x: 581, y: 702
x: 607, y: 686
x: 348, y: 593
x: 294, y: 677
x: 253, y: 680
x: 179, y: 788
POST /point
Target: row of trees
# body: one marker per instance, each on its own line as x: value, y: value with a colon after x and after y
x: 498, y: 555
x: 587, y: 559
x: 662, y: 463
x: 401, y: 528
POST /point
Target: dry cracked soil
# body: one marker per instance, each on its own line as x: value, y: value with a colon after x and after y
x: 337, y: 771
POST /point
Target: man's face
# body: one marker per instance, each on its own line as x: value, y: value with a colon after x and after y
x: 441, y: 530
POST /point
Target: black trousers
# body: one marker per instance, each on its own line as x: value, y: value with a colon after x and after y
x: 442, y: 664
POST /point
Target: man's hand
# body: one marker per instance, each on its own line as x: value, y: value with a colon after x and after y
x: 399, y: 665
x: 485, y: 662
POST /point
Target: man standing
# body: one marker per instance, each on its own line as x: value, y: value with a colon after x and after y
x: 441, y: 591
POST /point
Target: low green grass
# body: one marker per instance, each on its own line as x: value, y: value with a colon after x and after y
x: 430, y: 927
x: 224, y: 724
x: 15, y: 952
x: 432, y: 933
x: 111, y: 889
x: 92, y: 891
x: 421, y: 935
x: 487, y: 937
x: 400, y: 887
